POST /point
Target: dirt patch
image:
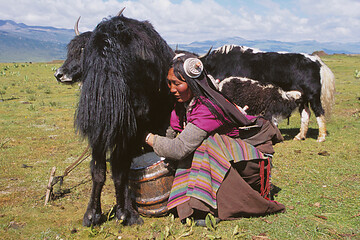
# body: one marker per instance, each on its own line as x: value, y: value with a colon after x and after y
x: 320, y: 53
x: 56, y: 62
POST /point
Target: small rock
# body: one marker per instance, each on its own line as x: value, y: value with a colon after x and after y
x: 317, y: 204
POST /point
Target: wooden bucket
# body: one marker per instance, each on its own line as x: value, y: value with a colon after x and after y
x: 151, y: 179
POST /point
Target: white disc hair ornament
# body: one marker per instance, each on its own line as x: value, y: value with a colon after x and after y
x: 193, y: 67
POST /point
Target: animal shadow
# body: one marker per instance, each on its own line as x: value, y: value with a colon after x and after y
x: 290, y: 133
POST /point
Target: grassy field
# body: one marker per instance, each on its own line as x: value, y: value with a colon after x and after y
x: 320, y: 181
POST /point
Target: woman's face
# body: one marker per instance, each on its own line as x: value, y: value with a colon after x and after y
x: 179, y: 88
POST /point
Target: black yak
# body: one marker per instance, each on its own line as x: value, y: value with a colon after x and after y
x: 289, y: 71
x: 122, y: 65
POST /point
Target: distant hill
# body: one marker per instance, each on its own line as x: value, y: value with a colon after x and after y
x: 22, y: 43
x: 275, y: 46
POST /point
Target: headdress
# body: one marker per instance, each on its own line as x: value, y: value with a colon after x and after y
x: 189, y: 67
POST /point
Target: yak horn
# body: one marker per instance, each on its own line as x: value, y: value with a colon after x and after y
x: 121, y: 11
x: 76, y: 28
x: 206, y: 54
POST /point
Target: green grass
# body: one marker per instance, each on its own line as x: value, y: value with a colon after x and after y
x: 320, y: 181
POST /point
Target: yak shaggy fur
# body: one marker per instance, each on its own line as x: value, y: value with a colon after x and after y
x: 122, y: 65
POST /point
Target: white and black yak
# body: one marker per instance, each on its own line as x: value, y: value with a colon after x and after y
x: 266, y: 100
x: 289, y: 71
x: 122, y: 65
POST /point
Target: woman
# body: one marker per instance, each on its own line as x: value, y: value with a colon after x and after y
x: 224, y: 156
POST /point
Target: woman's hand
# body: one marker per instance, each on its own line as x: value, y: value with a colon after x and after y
x: 149, y: 139
x: 242, y: 110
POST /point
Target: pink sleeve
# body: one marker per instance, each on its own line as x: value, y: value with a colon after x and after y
x: 175, y: 122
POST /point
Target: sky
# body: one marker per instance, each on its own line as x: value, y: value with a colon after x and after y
x: 186, y: 21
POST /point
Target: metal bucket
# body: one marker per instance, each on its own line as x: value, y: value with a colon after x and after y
x: 151, y: 179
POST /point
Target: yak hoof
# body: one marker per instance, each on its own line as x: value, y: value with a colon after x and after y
x: 91, y: 218
x: 299, y: 137
x: 321, y: 139
x: 129, y: 217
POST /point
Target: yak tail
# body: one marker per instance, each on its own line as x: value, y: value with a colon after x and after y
x: 327, y: 88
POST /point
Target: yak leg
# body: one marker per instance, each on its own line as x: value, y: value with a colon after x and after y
x: 125, y: 211
x: 319, y: 112
x: 92, y: 215
x: 320, y: 118
x: 305, y: 118
x: 322, y: 128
